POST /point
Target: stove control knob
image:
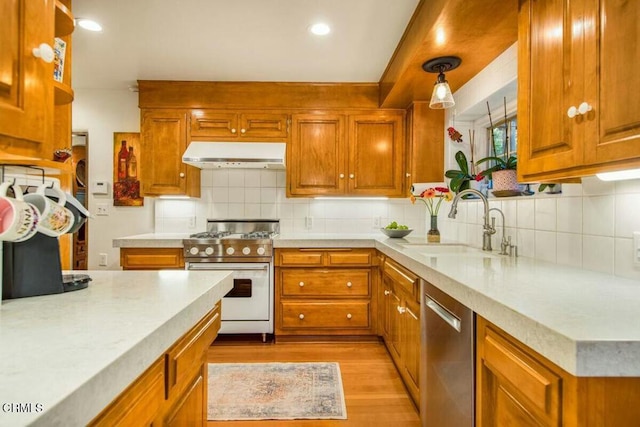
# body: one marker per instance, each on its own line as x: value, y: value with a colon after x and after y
x: 230, y: 251
x: 246, y: 250
x: 194, y: 251
x: 260, y: 251
x: 209, y: 251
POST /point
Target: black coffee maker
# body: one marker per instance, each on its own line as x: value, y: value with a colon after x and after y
x: 32, y: 267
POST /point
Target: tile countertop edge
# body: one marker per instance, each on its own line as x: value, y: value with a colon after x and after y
x: 104, y: 387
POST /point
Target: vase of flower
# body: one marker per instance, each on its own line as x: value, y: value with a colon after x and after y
x: 433, y: 235
x: 432, y: 199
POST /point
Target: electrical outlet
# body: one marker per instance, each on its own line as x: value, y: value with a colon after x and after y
x: 103, y: 209
x: 103, y: 260
x: 308, y: 222
x: 192, y: 222
x: 636, y: 248
x: 376, y: 222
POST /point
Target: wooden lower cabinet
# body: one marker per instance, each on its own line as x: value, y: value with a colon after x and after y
x: 401, y: 322
x: 173, y: 391
x: 151, y: 259
x: 324, y: 292
x: 516, y: 386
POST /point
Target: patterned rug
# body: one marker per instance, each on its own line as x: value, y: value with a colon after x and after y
x: 275, y: 391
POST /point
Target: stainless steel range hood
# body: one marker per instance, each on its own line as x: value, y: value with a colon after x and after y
x: 248, y: 155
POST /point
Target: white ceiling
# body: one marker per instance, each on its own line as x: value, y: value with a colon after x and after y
x: 235, y: 40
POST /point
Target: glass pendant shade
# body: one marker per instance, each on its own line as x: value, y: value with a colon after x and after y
x: 442, y: 96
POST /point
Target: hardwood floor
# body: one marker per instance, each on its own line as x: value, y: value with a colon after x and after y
x: 374, y: 392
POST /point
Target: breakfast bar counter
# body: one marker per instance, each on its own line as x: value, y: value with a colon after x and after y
x: 65, y: 357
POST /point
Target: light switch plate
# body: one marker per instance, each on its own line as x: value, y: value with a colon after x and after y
x: 636, y: 249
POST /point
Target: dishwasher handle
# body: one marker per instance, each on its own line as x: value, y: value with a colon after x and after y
x: 444, y: 314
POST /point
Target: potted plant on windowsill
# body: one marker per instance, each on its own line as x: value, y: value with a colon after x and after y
x: 503, y: 173
x: 460, y: 179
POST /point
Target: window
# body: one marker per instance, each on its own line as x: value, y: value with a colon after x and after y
x: 505, y: 138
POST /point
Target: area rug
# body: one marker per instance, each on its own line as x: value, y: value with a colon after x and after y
x: 275, y: 391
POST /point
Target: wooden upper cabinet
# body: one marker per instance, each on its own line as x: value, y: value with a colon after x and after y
x: 26, y: 82
x: 570, y: 53
x: 317, y: 155
x: 164, y: 140
x: 365, y: 158
x: 425, y: 144
x: 376, y: 155
x: 254, y: 126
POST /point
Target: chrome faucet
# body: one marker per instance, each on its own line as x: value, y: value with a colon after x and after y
x: 488, y: 229
x: 504, y: 243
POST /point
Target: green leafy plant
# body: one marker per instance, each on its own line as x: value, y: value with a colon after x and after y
x: 460, y: 178
x: 500, y: 164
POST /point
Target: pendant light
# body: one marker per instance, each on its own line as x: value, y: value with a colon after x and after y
x: 441, y: 97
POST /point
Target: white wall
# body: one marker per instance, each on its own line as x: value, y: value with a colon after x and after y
x: 101, y: 113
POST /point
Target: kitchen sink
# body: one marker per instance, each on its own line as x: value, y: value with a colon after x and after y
x: 439, y: 250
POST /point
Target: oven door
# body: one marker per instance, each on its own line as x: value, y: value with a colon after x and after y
x: 250, y: 297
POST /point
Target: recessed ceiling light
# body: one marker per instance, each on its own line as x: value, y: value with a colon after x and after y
x: 89, y: 24
x: 320, y: 29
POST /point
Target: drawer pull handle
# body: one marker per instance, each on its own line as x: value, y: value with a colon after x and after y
x: 301, y: 316
x: 349, y: 316
x: 233, y: 130
x: 386, y: 292
x: 349, y: 284
x: 301, y: 284
x: 401, y: 310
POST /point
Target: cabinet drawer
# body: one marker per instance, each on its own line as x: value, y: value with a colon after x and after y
x: 151, y: 258
x: 346, y: 315
x: 528, y: 377
x: 401, y: 277
x: 327, y: 282
x: 350, y: 257
x: 138, y: 404
x: 299, y: 257
x: 188, y: 354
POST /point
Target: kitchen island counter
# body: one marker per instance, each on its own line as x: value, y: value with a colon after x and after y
x: 65, y: 357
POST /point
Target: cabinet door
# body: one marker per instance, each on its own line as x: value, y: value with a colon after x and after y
x: 612, y: 57
x: 26, y: 82
x: 164, y: 140
x: 376, y: 162
x: 411, y: 350
x: 550, y: 80
x: 316, y: 161
x: 214, y: 124
x: 191, y: 409
x: 264, y: 125
x: 425, y: 144
x: 395, y: 325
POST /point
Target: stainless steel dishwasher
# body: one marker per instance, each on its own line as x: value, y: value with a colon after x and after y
x: 447, y: 364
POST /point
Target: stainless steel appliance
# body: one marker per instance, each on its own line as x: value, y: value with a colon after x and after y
x: 246, y: 248
x: 448, y: 374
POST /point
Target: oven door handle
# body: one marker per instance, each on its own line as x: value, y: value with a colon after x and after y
x: 201, y: 266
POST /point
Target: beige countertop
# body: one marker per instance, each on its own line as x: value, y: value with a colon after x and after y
x: 586, y: 322
x: 69, y: 355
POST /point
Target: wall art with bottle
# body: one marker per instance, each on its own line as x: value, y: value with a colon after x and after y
x: 126, y: 183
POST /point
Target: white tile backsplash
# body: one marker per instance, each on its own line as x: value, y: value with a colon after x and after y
x: 589, y: 225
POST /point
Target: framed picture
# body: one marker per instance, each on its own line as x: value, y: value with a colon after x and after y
x: 126, y: 182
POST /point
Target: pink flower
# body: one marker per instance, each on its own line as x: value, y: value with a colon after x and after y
x: 429, y: 193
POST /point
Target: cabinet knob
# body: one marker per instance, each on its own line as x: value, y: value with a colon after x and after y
x: 349, y: 316
x: 341, y: 176
x: 583, y: 108
x: 301, y: 316
x: 386, y: 292
x: 44, y: 52
x: 243, y: 131
x: 408, y: 175
x: 181, y: 174
x: 351, y: 176
x: 349, y: 284
x: 301, y: 284
x: 233, y: 130
x: 401, y: 310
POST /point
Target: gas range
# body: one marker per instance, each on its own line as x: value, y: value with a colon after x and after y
x: 229, y: 240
